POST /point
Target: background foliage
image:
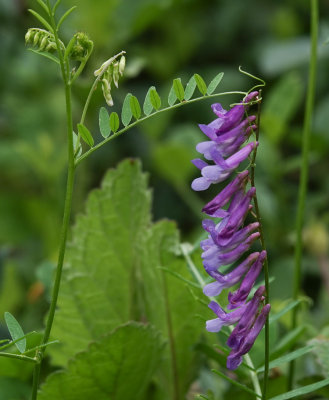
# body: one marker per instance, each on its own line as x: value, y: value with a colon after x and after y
x: 163, y: 39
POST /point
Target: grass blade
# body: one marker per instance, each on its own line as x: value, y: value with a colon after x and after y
x: 302, y: 390
x: 235, y: 383
x: 63, y: 18
x: 42, y: 20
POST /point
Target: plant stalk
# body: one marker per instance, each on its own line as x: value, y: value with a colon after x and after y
x: 304, y: 172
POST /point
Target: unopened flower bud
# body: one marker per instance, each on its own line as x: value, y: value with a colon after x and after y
x: 122, y: 64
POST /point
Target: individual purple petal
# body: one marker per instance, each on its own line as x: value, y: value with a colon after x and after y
x: 235, y: 357
x: 200, y: 184
x: 240, y: 296
x: 238, y: 237
x: 225, y: 195
x: 205, y: 148
x: 247, y: 319
x: 224, y: 318
x: 229, y: 279
x: 199, y: 163
x: 215, y: 173
x: 241, y: 155
x: 208, y: 131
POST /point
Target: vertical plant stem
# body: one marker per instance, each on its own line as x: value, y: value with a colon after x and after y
x: 304, y: 172
x: 266, y: 274
x: 66, y: 216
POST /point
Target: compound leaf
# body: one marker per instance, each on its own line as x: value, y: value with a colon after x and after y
x: 15, y: 331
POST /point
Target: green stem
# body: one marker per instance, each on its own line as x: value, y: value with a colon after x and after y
x: 197, y: 276
x: 265, y: 267
x: 66, y: 216
x: 18, y: 357
x: 304, y: 172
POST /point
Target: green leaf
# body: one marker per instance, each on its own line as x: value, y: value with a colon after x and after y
x: 104, y: 122
x: 63, y: 18
x: 155, y: 99
x: 201, y: 84
x: 214, y: 83
x: 172, y: 97
x: 119, y: 366
x: 114, y: 121
x: 126, y: 114
x: 135, y: 107
x: 86, y: 135
x: 302, y: 390
x: 288, y: 357
x: 179, y: 89
x: 15, y: 331
x: 236, y: 383
x: 42, y: 20
x: 147, y: 106
x: 43, y: 5
x: 287, y: 341
x: 56, y: 5
x: 45, y: 54
x: 111, y: 277
x: 282, y: 312
x: 190, y: 87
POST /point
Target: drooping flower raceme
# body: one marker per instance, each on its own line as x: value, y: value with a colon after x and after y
x: 229, y: 239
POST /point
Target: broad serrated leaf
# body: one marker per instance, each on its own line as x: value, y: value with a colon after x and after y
x: 111, y: 276
x: 114, y: 121
x: 155, y: 99
x: 86, y: 135
x: 179, y: 89
x: 135, y: 107
x: 104, y: 122
x: 15, y: 331
x: 42, y: 20
x: 214, y: 83
x: 172, y: 97
x: 147, y: 106
x: 201, y: 84
x: 288, y: 357
x: 45, y: 54
x: 119, y: 366
x: 126, y: 113
x: 302, y: 390
x: 190, y: 87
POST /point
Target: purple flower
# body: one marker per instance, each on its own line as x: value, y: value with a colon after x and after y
x: 235, y: 357
x: 223, y: 318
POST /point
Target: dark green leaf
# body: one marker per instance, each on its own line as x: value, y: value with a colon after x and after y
x: 45, y: 54
x: 155, y: 99
x: 42, y: 20
x: 126, y: 114
x: 288, y: 357
x: 113, y: 368
x: 56, y: 5
x: 302, y: 390
x: 43, y: 5
x: 15, y: 331
x: 214, y: 83
x: 179, y: 89
x: 63, y: 18
x: 104, y: 122
x: 190, y: 87
x: 172, y: 97
x: 114, y: 121
x: 86, y: 135
x: 286, y: 309
x: 135, y: 107
x: 201, y: 84
x: 147, y: 106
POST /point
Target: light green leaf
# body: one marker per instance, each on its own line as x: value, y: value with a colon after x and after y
x: 15, y: 331
x: 190, y: 87
x: 201, y: 84
x: 155, y: 99
x: 147, y: 106
x: 104, y: 122
x: 214, y: 83
x: 111, y: 277
x: 179, y: 89
x: 287, y: 341
x: 43, y: 5
x: 172, y: 97
x: 63, y: 18
x: 114, y: 121
x: 86, y: 135
x: 288, y: 357
x: 42, y: 20
x: 282, y: 312
x: 302, y: 390
x: 126, y: 114
x: 119, y: 366
x: 45, y: 54
x: 135, y: 107
x: 56, y: 5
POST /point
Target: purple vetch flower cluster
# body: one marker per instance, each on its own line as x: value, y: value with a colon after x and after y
x: 229, y: 239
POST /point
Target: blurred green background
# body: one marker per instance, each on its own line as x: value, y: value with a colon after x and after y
x: 164, y: 39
